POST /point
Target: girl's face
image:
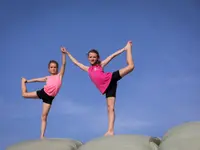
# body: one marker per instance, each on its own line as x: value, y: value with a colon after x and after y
x: 53, y: 68
x: 93, y: 58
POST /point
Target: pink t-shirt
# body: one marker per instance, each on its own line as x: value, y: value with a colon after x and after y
x: 53, y: 85
x: 99, y: 77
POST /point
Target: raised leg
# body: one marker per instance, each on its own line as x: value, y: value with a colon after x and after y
x: 26, y: 94
x: 130, y: 65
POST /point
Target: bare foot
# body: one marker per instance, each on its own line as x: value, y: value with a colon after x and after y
x: 23, y: 86
x: 128, y: 48
x: 109, y: 133
x: 42, y: 137
x: 129, y: 43
x: 23, y: 80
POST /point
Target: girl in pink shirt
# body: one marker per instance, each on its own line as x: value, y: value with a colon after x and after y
x: 49, y: 91
x: 106, y: 83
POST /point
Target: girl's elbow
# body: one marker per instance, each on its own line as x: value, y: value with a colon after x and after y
x: 77, y: 64
x: 103, y: 63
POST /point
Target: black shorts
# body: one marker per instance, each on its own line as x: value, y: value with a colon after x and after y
x: 112, y: 87
x: 46, y: 98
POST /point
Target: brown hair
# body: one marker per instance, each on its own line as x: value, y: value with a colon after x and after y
x: 53, y: 61
x: 98, y: 56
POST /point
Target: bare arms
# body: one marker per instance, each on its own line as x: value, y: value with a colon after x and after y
x: 103, y: 63
x: 61, y: 72
x: 76, y: 62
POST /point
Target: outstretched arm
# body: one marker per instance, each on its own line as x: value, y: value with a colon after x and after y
x: 43, y: 79
x: 80, y: 65
x: 62, y: 69
x: 109, y: 58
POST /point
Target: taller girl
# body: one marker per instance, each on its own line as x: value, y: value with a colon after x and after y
x: 106, y: 82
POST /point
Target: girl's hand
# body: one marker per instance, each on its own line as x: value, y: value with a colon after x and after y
x: 64, y: 50
x: 124, y: 49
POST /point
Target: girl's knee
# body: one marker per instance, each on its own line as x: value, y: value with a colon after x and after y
x: 131, y: 67
x: 24, y: 95
x: 44, y: 117
x: 111, y: 108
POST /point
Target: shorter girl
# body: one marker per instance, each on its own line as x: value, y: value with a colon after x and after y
x: 50, y: 90
x: 106, y: 82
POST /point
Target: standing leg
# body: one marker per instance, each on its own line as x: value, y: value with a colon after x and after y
x: 26, y: 94
x: 129, y: 68
x: 111, y: 115
x: 112, y: 90
x: 45, y: 112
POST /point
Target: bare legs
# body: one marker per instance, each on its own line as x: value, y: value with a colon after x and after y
x: 26, y: 94
x: 129, y: 68
x: 111, y: 100
x: 111, y: 115
x: 45, y: 112
x: 45, y: 109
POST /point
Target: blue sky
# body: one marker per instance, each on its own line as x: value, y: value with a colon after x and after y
x: 161, y: 92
